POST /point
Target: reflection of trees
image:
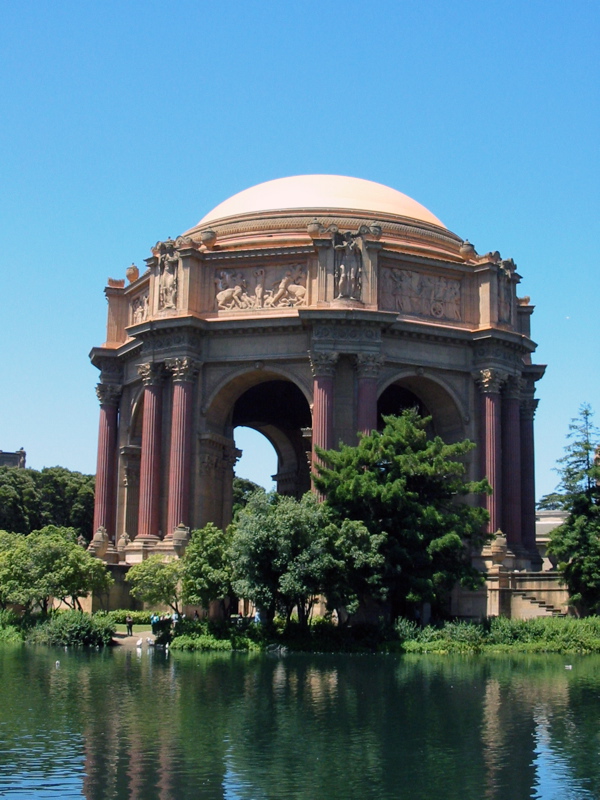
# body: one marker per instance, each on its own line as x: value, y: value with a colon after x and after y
x: 299, y: 727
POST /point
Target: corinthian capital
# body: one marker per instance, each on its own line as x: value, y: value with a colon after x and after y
x: 368, y: 365
x: 182, y: 369
x: 528, y: 407
x: 151, y: 374
x: 323, y: 364
x: 514, y: 387
x: 108, y: 393
x: 490, y: 380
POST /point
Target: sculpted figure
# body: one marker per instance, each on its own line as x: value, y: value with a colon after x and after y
x: 231, y: 290
x: 140, y: 309
x: 259, y: 292
x: 167, y: 282
x: 348, y: 266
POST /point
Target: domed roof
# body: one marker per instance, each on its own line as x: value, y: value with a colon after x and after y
x: 320, y: 193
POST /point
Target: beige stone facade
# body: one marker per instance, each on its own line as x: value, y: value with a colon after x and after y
x: 306, y: 308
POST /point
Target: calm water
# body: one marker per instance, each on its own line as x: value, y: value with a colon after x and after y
x: 115, y: 725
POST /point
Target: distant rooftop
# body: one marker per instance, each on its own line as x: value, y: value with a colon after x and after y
x: 13, y: 459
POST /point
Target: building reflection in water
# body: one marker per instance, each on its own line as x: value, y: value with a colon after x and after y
x: 302, y: 727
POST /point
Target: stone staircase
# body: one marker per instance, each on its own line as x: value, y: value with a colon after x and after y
x: 528, y: 606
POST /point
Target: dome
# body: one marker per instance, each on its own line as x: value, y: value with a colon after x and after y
x: 321, y: 193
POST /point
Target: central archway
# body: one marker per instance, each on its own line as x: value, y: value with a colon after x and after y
x: 279, y: 410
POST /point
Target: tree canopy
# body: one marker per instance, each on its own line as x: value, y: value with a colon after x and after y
x: 279, y: 553
x: 410, y: 491
x: 46, y: 564
x: 157, y: 581
x: 576, y: 543
x: 31, y: 499
x: 207, y: 567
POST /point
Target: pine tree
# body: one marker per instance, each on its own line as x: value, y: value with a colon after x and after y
x: 576, y: 543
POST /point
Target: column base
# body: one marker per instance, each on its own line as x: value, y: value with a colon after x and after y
x: 140, y: 548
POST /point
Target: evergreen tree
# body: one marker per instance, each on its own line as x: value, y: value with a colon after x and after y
x: 576, y: 543
x: 410, y: 491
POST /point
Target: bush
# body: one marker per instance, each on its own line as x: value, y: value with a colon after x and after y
x: 406, y: 629
x: 202, y: 643
x: 67, y: 628
x: 10, y: 634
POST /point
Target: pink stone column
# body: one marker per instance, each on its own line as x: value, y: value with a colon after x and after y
x: 528, y: 407
x: 367, y: 367
x: 106, y: 467
x: 149, y: 508
x: 511, y: 464
x: 323, y: 367
x: 178, y: 509
x: 490, y: 382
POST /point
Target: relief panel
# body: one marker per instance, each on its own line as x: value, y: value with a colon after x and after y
x: 255, y: 289
x: 139, y: 309
x: 419, y: 294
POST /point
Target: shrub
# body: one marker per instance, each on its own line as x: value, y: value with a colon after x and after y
x: 202, y: 643
x: 406, y: 629
x: 10, y: 634
x: 67, y: 628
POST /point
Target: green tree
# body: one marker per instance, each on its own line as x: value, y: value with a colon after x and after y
x: 207, y: 567
x: 19, y: 500
x: 48, y: 564
x: 280, y: 554
x: 31, y: 499
x: 157, y: 581
x: 411, y: 491
x: 243, y: 489
x: 66, y: 499
x: 576, y: 543
x: 14, y: 568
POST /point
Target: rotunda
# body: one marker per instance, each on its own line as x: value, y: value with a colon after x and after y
x: 306, y: 308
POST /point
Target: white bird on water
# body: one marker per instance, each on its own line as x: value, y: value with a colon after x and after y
x: 150, y: 641
x: 139, y: 643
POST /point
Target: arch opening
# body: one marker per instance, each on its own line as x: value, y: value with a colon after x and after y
x: 278, y: 410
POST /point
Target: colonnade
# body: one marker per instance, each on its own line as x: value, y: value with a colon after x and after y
x: 505, y: 443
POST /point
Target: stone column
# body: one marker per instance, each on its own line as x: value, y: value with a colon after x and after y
x: 323, y: 369
x: 149, y: 509
x: 511, y: 463
x: 367, y: 369
x: 490, y: 382
x: 106, y: 469
x: 528, y: 407
x: 184, y: 371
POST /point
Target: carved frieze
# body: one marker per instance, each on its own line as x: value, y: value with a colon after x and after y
x: 171, y: 340
x: 352, y: 333
x: 217, y: 455
x: 255, y: 289
x: 419, y: 294
x: 139, y: 308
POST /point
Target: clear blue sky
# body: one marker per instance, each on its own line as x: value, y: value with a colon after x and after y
x: 123, y: 123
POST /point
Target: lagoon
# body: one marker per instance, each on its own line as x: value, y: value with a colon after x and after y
x: 124, y: 724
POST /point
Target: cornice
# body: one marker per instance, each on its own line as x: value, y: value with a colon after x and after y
x: 259, y: 252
